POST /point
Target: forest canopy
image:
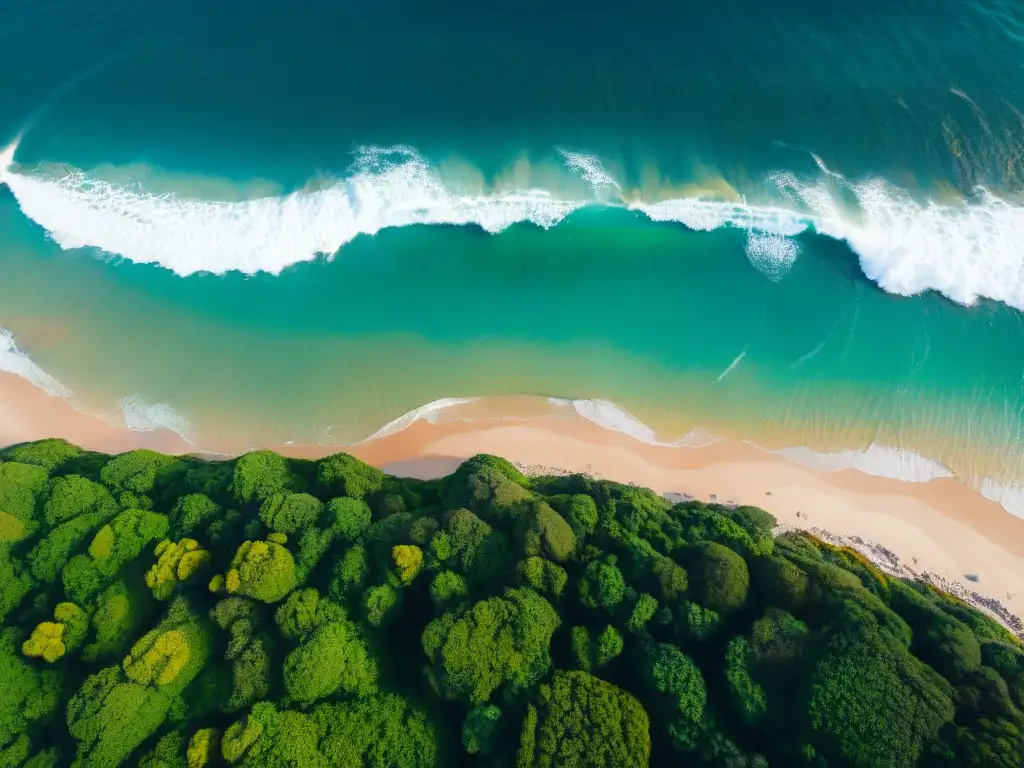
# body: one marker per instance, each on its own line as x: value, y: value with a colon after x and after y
x: 172, y: 612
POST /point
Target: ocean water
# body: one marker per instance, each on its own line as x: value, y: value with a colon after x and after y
x: 796, y: 224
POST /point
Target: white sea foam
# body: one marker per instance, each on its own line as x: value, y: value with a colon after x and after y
x: 771, y: 254
x: 968, y: 249
x: 964, y: 250
x: 426, y: 412
x: 13, y: 360
x: 1010, y: 497
x: 707, y: 215
x: 899, y: 464
x: 879, y: 460
x: 390, y: 187
x: 591, y: 169
x: 7, y: 159
x: 140, y: 416
x: 610, y: 416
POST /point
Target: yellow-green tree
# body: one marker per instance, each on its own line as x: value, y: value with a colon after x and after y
x: 203, y: 747
x: 45, y: 642
x: 50, y: 640
x: 408, y: 560
x: 264, y: 570
x: 176, y: 562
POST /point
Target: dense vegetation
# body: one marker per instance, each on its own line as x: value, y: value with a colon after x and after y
x: 165, y: 611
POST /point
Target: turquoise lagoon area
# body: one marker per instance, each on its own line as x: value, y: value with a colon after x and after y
x: 791, y: 224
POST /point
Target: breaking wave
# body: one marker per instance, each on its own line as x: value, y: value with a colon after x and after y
x: 13, y: 360
x: 140, y: 416
x: 879, y: 460
x: 965, y: 249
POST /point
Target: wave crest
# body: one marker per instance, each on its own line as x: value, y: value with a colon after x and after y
x: 391, y: 187
x: 968, y: 249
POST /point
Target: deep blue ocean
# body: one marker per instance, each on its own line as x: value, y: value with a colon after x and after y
x: 797, y: 223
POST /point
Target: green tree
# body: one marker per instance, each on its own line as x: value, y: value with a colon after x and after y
x: 263, y: 570
x: 20, y: 487
x: 677, y: 686
x: 119, y: 707
x: 584, y: 721
x: 470, y: 546
x: 498, y: 642
x: 27, y: 695
x: 609, y: 645
x: 746, y: 696
x: 314, y: 543
x: 135, y: 471
x: 722, y: 579
x: 447, y: 587
x: 17, y: 581
x: 602, y: 585
x: 759, y: 525
x: 304, y: 611
x: 544, y: 576
x: 580, y: 646
x: 249, y: 650
x: 349, y: 518
x: 72, y: 496
x: 168, y: 752
x: 333, y: 658
x: 46, y: 758
x: 124, y: 538
x: 49, y: 454
x: 582, y: 514
x: 118, y: 613
x: 672, y: 579
x: 75, y: 508
x: 374, y: 732
x: 381, y: 603
x: 350, y: 573
x: 191, y: 513
x: 490, y: 487
x: 55, y: 549
x: 863, y: 680
x: 259, y: 475
x: 290, y: 512
x: 556, y: 536
x: 643, y: 611
x: 344, y: 475
x: 480, y: 730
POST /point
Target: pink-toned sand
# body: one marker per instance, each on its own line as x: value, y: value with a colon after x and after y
x: 941, y: 527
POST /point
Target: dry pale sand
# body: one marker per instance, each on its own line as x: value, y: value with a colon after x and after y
x: 966, y: 543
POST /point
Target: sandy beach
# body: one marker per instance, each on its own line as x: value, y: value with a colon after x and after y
x: 942, y: 530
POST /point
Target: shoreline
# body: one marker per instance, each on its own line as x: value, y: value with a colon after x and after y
x: 941, y: 530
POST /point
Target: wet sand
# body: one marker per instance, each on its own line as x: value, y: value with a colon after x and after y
x: 943, y: 529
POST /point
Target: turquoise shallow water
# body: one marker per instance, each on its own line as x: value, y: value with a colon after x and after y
x: 264, y: 224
